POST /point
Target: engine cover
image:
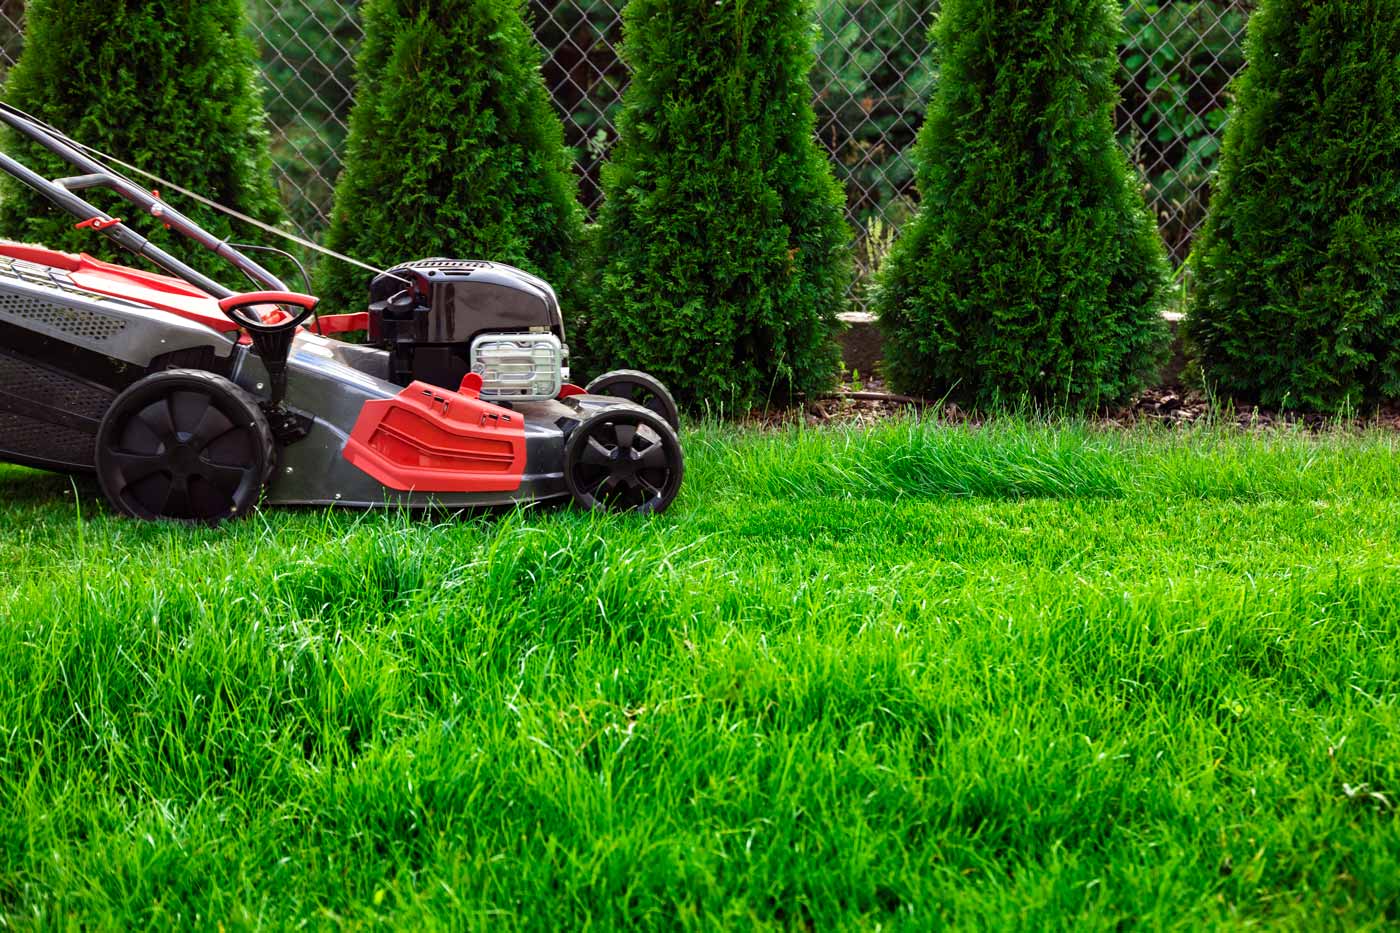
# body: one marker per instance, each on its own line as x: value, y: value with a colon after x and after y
x: 428, y: 313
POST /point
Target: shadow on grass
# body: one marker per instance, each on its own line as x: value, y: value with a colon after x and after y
x: 21, y: 486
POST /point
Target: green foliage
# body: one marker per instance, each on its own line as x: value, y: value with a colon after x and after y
x: 912, y: 677
x: 168, y: 85
x: 11, y: 35
x: 723, y: 252
x: 454, y: 149
x: 1298, y: 269
x: 308, y: 66
x: 1033, y: 269
x: 585, y: 77
x: 1178, y: 60
x: 871, y: 96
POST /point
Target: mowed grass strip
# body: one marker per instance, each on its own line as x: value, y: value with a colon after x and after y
x: 1017, y: 676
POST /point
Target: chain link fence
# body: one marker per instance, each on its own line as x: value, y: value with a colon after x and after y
x: 870, y: 87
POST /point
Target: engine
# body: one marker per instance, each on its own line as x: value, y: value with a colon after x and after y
x: 441, y: 319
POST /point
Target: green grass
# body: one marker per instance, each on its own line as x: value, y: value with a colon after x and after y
x: 1015, y: 677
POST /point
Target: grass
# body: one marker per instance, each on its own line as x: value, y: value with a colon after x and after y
x: 1015, y: 677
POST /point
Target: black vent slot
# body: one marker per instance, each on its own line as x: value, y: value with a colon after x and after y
x: 31, y: 441
x: 24, y: 381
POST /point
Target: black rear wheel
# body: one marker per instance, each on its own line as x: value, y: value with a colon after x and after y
x: 639, y: 389
x: 626, y: 459
x: 184, y: 445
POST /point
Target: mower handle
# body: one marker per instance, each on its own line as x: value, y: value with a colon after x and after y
x: 97, y: 175
x: 233, y: 306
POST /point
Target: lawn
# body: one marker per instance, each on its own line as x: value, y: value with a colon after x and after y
x: 1018, y: 676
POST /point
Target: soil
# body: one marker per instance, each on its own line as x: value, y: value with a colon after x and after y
x: 871, y: 401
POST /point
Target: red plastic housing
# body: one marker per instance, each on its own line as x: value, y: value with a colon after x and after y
x: 428, y: 439
x: 341, y: 323
x: 159, y: 291
x: 148, y: 288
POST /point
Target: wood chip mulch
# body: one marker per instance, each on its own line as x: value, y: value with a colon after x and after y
x: 872, y: 402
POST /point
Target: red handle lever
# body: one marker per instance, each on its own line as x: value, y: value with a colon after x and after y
x: 97, y: 223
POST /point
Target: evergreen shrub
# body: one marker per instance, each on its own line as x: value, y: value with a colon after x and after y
x: 454, y: 149
x: 1297, y: 272
x: 722, y: 249
x: 167, y: 85
x: 1033, y: 270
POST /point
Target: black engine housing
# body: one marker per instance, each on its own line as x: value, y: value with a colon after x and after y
x: 427, y: 313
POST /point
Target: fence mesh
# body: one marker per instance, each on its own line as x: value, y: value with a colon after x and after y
x: 870, y: 86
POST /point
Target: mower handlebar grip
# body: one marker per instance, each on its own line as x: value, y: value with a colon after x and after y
x: 307, y: 302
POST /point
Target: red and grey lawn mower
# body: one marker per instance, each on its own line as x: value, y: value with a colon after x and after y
x: 193, y: 402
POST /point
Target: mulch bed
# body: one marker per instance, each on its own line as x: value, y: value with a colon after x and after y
x: 872, y: 402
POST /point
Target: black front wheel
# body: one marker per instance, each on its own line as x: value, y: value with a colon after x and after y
x: 625, y: 459
x: 184, y: 445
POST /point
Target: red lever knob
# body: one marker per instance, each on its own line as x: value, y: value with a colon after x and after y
x: 97, y: 223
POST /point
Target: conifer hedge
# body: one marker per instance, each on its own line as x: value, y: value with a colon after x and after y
x: 722, y: 244
x: 454, y: 148
x: 1297, y: 273
x: 169, y: 85
x: 1033, y: 269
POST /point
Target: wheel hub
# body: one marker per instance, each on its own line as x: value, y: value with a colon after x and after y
x: 625, y: 466
x: 184, y: 458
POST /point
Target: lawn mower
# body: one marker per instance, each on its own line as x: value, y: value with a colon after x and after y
x: 193, y: 402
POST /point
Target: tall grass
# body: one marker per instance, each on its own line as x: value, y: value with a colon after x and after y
x: 1017, y: 676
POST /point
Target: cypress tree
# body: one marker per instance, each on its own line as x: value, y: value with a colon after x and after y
x: 1033, y: 269
x: 723, y: 246
x: 1297, y: 272
x: 454, y: 149
x: 168, y: 85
